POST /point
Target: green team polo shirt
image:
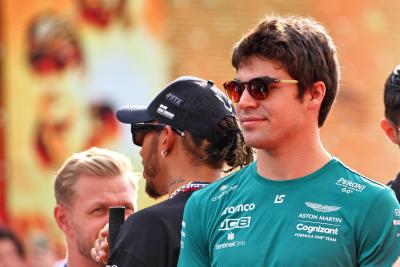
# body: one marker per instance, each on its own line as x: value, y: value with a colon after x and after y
x: 332, y: 217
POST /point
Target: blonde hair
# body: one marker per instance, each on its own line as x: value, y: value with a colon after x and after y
x: 96, y: 162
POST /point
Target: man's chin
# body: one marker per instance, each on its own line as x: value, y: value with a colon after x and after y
x: 252, y: 141
x: 86, y: 254
x: 152, y: 192
x: 257, y: 141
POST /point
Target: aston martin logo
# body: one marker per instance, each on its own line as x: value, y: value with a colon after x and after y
x: 321, y: 208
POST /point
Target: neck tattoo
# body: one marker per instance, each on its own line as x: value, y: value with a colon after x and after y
x: 177, y: 181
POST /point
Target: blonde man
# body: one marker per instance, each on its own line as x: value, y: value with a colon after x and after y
x: 85, y: 186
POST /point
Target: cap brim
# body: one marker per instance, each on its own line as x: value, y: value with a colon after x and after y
x: 133, y: 114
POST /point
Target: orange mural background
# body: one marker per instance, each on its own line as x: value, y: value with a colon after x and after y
x: 48, y: 116
x: 66, y: 69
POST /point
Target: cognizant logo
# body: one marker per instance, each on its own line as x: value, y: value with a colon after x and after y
x: 318, y: 229
x: 226, y: 190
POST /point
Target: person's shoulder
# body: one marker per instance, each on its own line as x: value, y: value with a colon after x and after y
x: 146, y: 228
x: 353, y: 181
x: 158, y: 212
x: 224, y: 184
x: 154, y: 219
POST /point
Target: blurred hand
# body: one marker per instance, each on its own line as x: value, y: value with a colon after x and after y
x: 99, y: 252
x: 40, y: 251
x: 41, y: 257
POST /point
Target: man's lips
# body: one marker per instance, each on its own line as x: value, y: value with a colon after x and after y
x: 251, y: 120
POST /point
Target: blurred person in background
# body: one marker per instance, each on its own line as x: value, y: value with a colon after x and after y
x: 296, y: 197
x: 86, y: 186
x: 41, y: 253
x: 391, y: 123
x: 12, y: 252
x: 188, y: 135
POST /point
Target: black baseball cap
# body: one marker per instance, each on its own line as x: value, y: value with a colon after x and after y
x: 188, y: 104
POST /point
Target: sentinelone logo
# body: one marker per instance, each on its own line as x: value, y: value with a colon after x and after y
x: 224, y: 190
x: 230, y: 245
x: 318, y: 229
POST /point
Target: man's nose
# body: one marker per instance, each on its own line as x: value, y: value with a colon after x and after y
x: 246, y: 100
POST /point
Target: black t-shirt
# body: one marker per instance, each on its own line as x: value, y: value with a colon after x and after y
x: 395, y: 185
x: 151, y: 237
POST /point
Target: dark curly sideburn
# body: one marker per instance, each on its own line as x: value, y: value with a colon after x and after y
x: 392, y: 96
x: 234, y: 152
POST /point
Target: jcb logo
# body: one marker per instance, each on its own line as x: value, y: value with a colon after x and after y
x: 229, y: 224
x: 279, y: 199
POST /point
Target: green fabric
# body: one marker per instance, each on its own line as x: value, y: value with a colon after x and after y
x: 333, y: 217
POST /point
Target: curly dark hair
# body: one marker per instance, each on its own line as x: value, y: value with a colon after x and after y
x: 232, y: 151
x: 304, y: 49
x: 392, y: 96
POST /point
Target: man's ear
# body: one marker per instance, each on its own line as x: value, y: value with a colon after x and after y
x: 62, y: 219
x: 390, y: 130
x: 315, y: 95
x: 168, y: 139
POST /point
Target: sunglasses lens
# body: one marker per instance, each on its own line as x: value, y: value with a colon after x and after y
x: 140, y: 131
x: 137, y: 138
x: 233, y: 90
x: 259, y: 88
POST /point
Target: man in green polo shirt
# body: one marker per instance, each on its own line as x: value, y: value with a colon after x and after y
x: 297, y: 205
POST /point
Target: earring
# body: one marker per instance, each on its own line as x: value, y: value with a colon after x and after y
x: 163, y: 154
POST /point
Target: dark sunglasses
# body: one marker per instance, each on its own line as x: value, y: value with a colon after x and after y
x: 258, y: 88
x: 139, y: 130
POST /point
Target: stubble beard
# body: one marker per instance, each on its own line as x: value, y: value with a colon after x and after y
x: 84, y: 246
x: 84, y: 250
x: 152, y: 170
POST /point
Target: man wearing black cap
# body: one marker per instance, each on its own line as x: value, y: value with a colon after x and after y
x: 391, y: 123
x: 187, y: 134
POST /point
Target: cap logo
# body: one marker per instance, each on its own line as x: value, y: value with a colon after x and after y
x: 162, y: 110
x: 174, y: 99
x: 227, y: 105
